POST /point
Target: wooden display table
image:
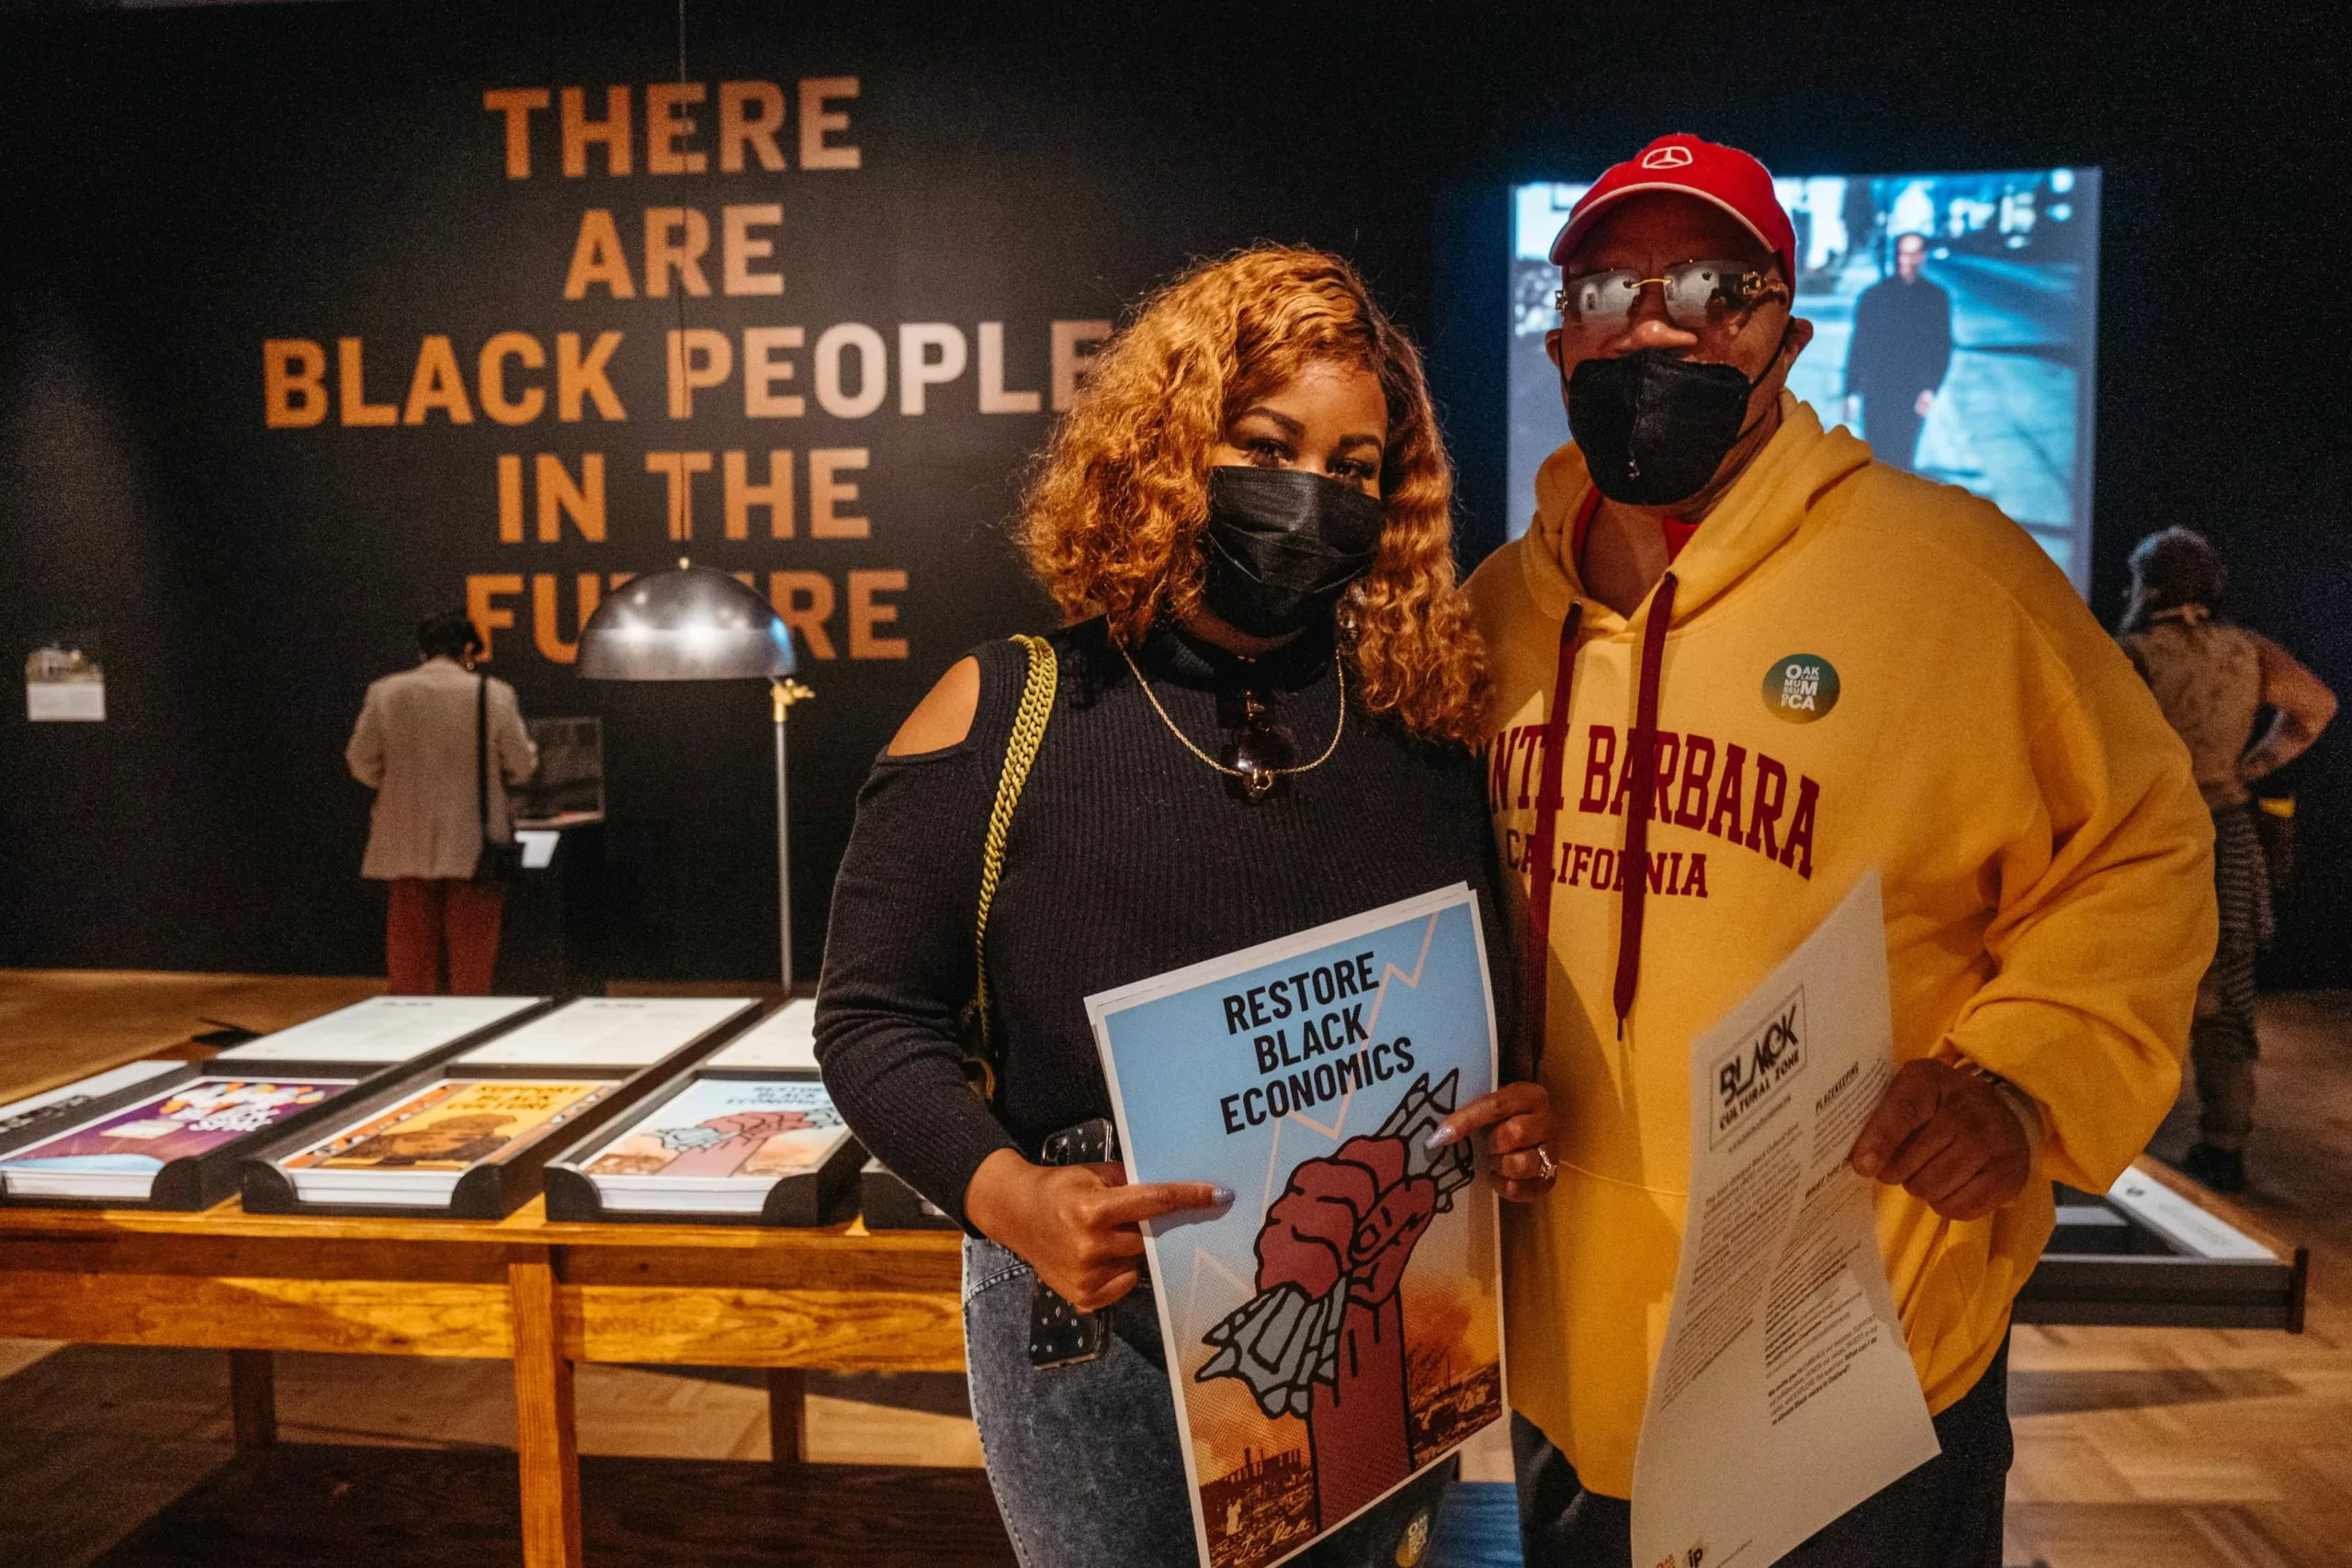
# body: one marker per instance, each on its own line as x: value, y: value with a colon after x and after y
x: 547, y: 1295
x: 541, y: 1295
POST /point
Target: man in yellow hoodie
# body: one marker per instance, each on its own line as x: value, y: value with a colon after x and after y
x: 1738, y: 663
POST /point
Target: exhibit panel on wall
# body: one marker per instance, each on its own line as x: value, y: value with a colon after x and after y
x: 496, y: 310
x: 1995, y: 322
x: 496, y: 316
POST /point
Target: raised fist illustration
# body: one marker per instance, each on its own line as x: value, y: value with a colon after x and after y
x: 1356, y: 1214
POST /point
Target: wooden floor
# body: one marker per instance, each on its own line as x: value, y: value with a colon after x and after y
x: 2199, y: 1448
x: 2136, y: 1449
x: 94, y: 1439
x: 299, y: 1507
x: 57, y: 1025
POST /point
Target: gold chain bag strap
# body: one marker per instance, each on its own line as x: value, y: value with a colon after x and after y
x: 981, y: 1054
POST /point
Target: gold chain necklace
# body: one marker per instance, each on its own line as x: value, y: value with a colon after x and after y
x: 1257, y: 781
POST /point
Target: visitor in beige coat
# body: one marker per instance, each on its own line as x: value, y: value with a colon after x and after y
x: 414, y: 745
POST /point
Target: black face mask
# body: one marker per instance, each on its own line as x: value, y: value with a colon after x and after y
x: 1653, y: 427
x: 1283, y: 544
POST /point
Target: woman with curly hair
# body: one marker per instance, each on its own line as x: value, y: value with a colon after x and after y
x: 1268, y: 693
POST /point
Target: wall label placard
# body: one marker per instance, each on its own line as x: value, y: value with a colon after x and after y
x: 64, y: 685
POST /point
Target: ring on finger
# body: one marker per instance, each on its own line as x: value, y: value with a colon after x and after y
x: 1546, y: 1168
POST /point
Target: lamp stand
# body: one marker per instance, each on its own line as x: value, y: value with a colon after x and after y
x: 783, y: 692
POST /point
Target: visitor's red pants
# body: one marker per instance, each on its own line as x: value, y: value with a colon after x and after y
x: 436, y: 916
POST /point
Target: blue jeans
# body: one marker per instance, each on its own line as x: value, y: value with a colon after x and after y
x: 1085, y: 1460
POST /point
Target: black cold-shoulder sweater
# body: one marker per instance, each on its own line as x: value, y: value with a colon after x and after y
x: 1128, y: 857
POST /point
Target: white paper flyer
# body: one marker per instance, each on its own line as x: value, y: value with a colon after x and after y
x: 1784, y: 1395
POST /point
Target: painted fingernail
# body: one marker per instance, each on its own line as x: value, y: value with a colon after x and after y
x: 1439, y: 1139
x: 1224, y: 1195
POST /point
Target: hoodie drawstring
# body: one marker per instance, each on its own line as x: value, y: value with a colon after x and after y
x: 1634, y: 862
x: 1535, y: 970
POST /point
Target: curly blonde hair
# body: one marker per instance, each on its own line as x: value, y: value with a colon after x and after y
x: 1113, y: 519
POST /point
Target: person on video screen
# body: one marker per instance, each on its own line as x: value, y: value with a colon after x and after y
x: 1900, y: 352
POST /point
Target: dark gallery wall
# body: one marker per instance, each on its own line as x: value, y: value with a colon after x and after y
x: 184, y: 188
x: 189, y: 187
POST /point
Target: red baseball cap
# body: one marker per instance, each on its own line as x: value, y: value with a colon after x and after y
x: 1725, y: 176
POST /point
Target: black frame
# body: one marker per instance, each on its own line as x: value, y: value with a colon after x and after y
x: 199, y: 1181
x: 810, y: 1198
x: 2106, y: 1265
x: 493, y: 1189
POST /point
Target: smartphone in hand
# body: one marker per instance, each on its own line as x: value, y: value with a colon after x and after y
x: 1060, y: 1334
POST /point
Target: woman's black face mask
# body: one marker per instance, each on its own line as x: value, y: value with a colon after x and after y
x: 1653, y: 426
x: 1283, y: 544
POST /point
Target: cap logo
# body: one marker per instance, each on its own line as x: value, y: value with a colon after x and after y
x: 1667, y: 158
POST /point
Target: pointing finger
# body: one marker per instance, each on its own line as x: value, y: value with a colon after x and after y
x: 1511, y: 1099
x: 1149, y: 1200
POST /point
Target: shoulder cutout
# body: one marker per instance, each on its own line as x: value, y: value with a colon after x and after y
x: 944, y: 716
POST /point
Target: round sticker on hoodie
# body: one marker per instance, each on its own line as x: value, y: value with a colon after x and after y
x: 1801, y: 687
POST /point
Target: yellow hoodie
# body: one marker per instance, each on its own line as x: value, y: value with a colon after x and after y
x: 1864, y: 669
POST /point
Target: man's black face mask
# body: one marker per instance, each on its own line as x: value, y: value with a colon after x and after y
x: 1283, y: 544
x: 1653, y: 427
